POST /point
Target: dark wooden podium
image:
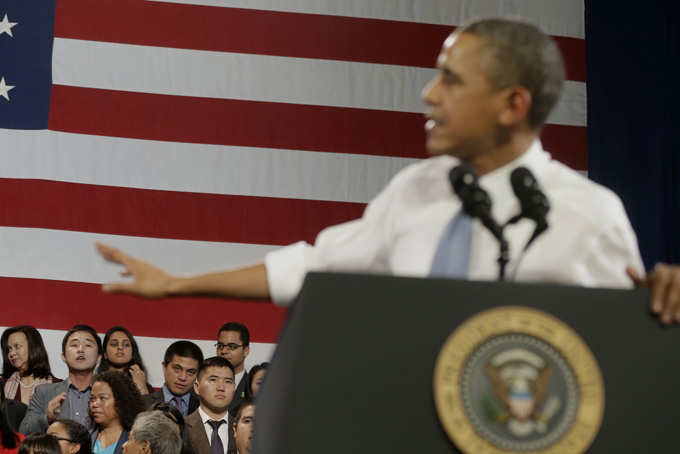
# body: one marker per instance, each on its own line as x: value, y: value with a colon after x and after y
x: 353, y: 371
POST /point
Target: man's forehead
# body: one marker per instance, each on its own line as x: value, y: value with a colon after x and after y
x: 215, y: 371
x: 183, y: 361
x: 81, y: 336
x: 233, y: 335
x: 459, y: 46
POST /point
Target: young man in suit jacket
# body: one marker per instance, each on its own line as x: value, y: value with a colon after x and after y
x: 215, y: 389
x: 180, y: 367
x: 81, y: 351
x: 233, y: 343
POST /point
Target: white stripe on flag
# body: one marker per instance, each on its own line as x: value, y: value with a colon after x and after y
x: 180, y: 72
x: 216, y: 169
x: 557, y: 17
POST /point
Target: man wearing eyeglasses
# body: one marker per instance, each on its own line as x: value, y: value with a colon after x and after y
x: 233, y: 343
x: 180, y: 368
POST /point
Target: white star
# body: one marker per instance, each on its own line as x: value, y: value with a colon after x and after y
x: 4, y: 89
x: 6, y: 26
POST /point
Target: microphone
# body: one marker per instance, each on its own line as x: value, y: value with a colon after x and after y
x: 534, y: 204
x: 477, y: 204
x: 476, y: 201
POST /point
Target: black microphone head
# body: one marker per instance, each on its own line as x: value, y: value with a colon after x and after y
x: 534, y: 203
x: 476, y: 201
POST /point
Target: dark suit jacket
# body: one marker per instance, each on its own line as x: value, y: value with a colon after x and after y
x: 199, y: 437
x: 15, y: 412
x: 152, y: 399
x: 119, y: 447
x: 239, y: 395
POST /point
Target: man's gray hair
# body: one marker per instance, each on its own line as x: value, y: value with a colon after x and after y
x: 159, y: 431
x: 521, y: 54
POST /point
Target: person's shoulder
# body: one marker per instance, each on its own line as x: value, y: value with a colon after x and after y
x: 570, y: 190
x: 49, y: 388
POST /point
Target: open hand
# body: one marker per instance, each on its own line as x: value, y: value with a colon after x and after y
x: 148, y: 281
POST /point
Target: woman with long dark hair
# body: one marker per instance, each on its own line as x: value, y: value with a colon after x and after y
x: 115, y: 402
x: 25, y: 363
x: 122, y: 354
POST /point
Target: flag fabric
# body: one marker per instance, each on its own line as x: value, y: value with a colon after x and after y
x: 201, y: 134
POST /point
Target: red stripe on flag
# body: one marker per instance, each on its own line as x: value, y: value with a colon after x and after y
x: 267, y: 125
x: 234, y: 122
x: 137, y: 212
x: 54, y: 304
x: 567, y: 144
x: 267, y: 33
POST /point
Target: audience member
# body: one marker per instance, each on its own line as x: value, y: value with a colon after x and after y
x: 153, y: 433
x: 243, y: 427
x: 211, y: 427
x: 12, y: 410
x: 122, y: 354
x: 39, y: 443
x: 255, y: 378
x: 233, y: 343
x: 180, y: 366
x: 115, y: 402
x: 173, y: 413
x: 9, y: 439
x: 81, y: 351
x: 25, y: 363
x: 73, y: 437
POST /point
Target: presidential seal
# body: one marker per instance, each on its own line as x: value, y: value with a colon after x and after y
x: 518, y: 380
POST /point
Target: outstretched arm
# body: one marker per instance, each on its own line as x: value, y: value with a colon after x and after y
x: 664, y: 287
x: 152, y: 282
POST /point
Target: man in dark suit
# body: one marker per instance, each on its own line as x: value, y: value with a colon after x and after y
x: 81, y: 351
x: 180, y: 368
x: 211, y: 426
x: 233, y: 343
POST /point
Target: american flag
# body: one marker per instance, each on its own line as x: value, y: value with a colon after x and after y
x: 201, y: 134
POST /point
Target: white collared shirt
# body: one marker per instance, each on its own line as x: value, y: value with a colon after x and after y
x: 223, y: 430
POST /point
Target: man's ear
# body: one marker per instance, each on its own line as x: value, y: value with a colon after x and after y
x: 196, y: 388
x: 145, y: 447
x: 517, y: 104
x: 246, y: 351
x: 75, y: 448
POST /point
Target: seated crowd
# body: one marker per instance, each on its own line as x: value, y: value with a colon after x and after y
x: 106, y: 406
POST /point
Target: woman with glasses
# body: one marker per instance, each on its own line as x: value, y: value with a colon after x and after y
x: 122, y: 354
x: 73, y: 437
x: 25, y: 363
x: 115, y: 402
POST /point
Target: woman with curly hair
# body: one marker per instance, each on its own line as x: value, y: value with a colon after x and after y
x: 25, y: 363
x: 122, y: 354
x: 115, y: 402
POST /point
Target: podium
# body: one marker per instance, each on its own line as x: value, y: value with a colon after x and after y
x: 353, y: 371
